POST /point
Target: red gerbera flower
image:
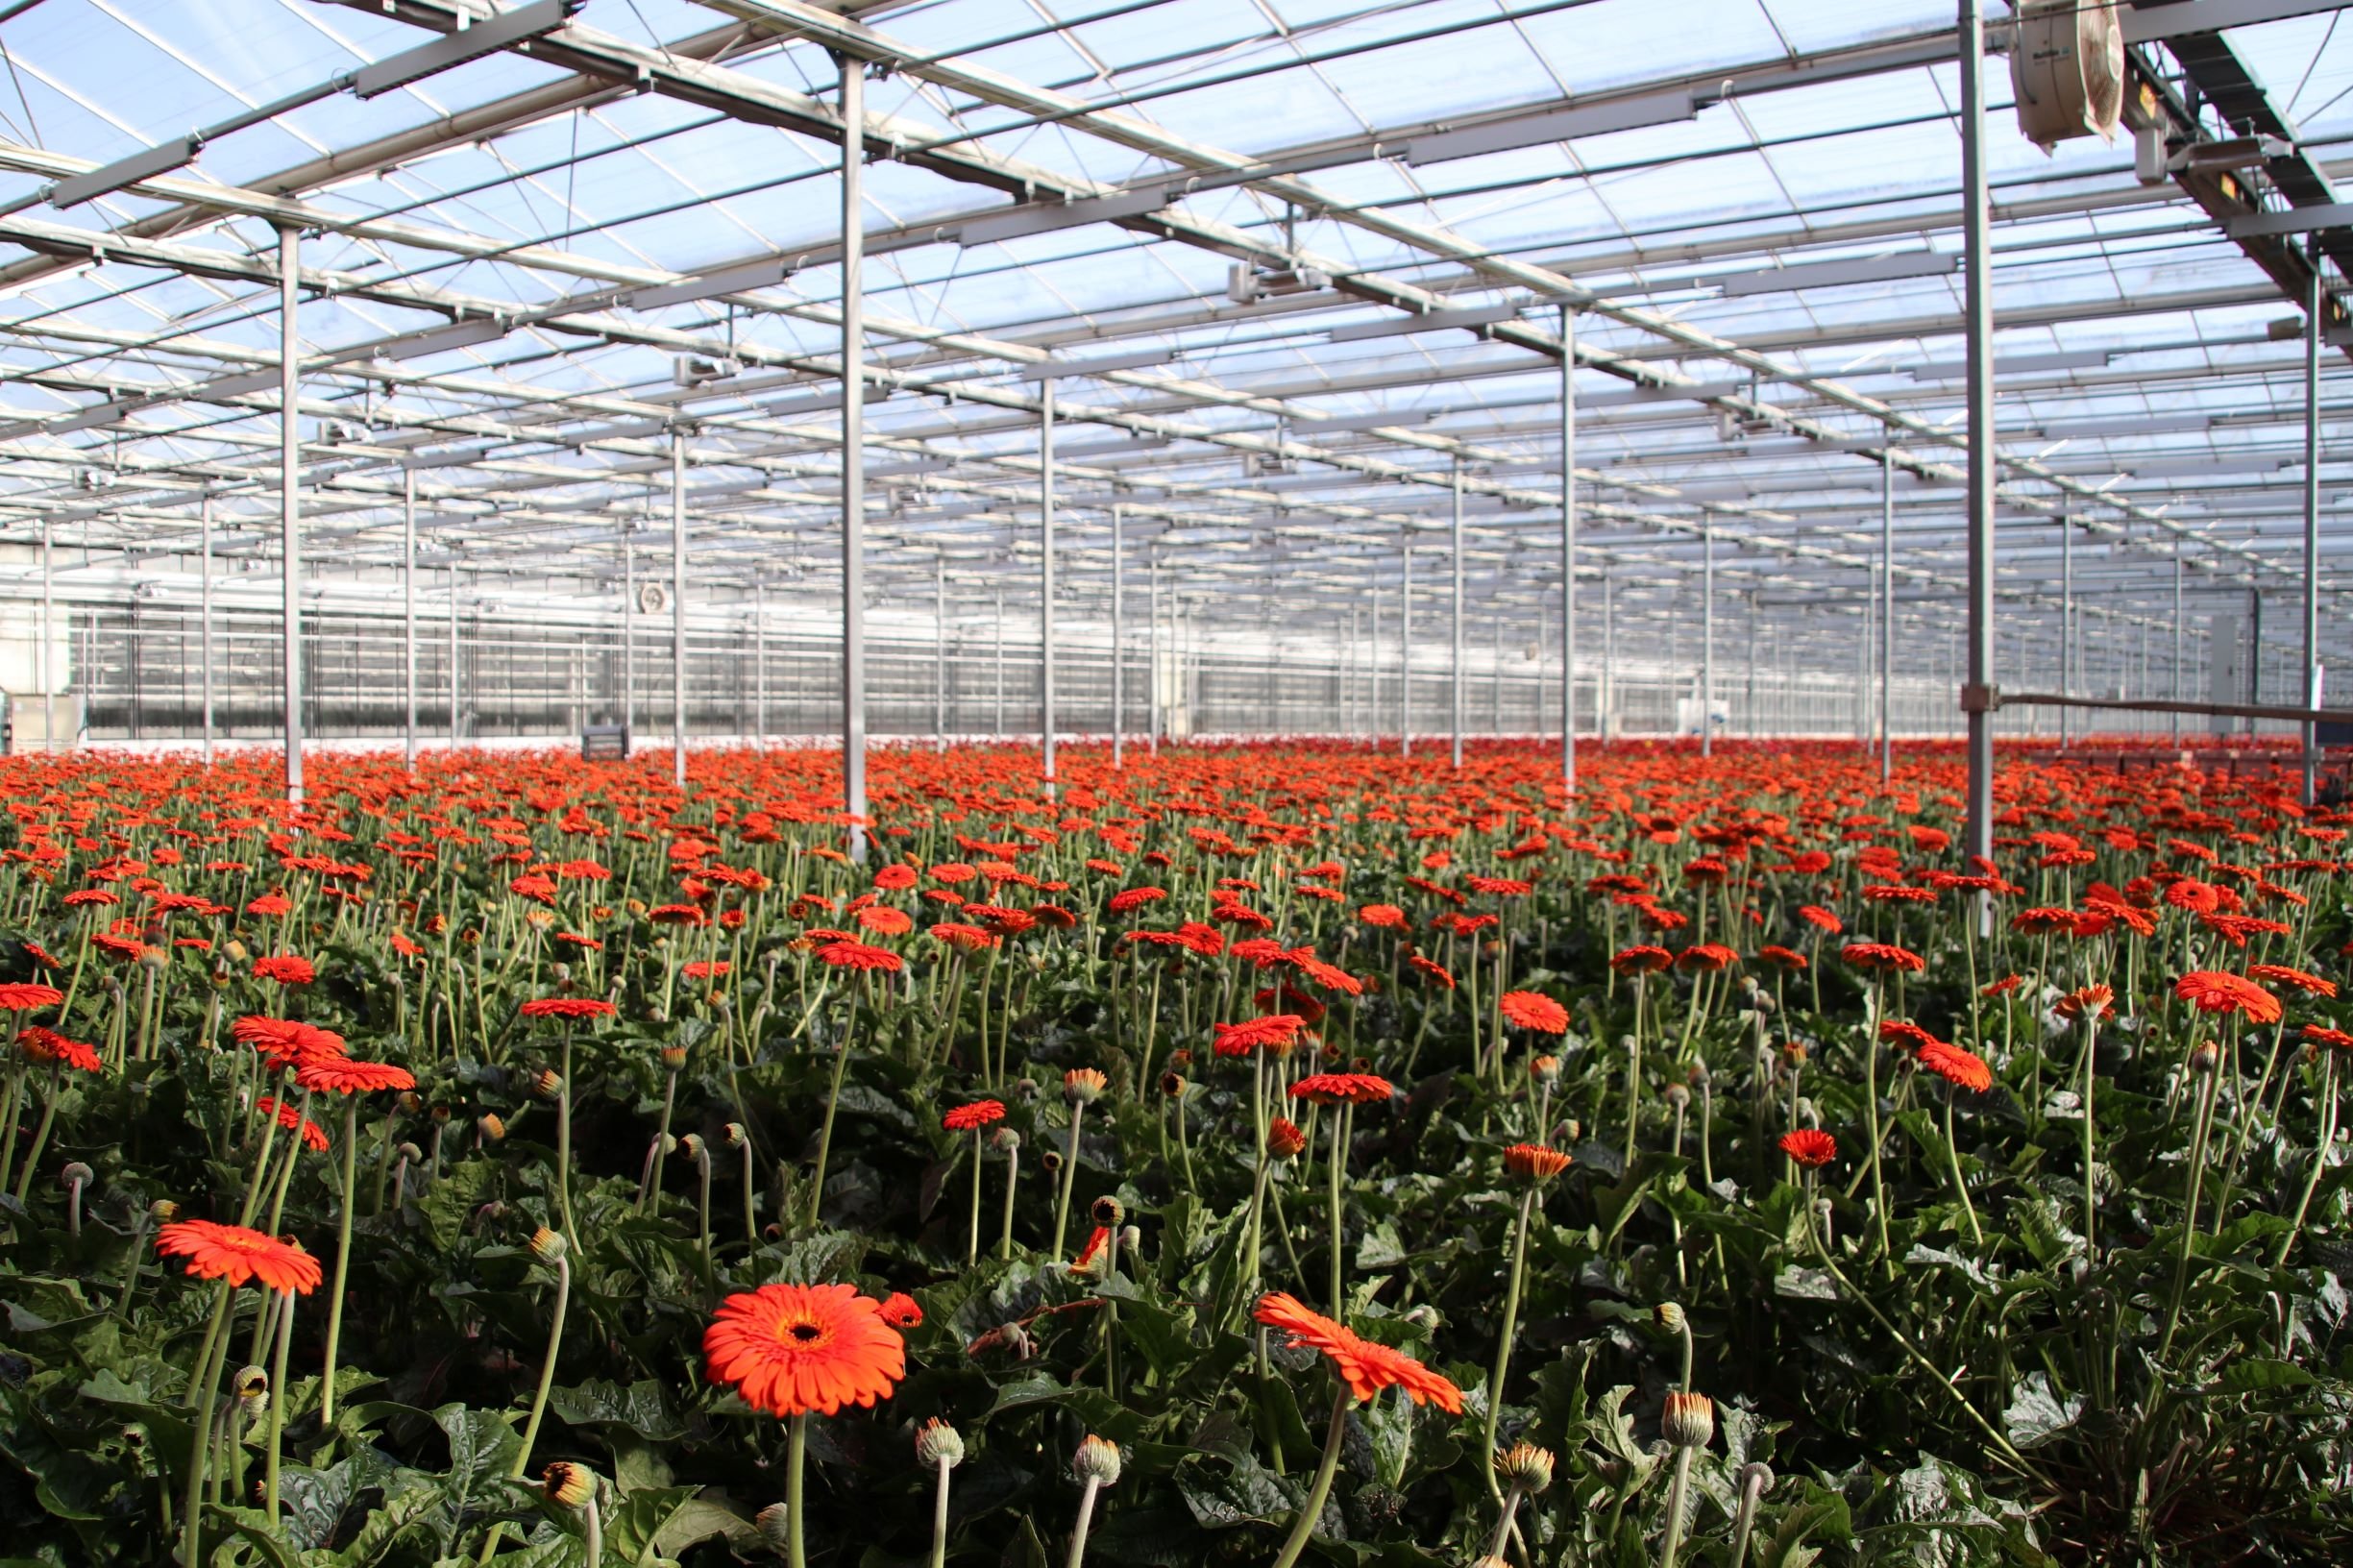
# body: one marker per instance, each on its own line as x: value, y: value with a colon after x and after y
x: 341, y: 1075
x: 239, y: 1256
x: 1809, y: 1146
x: 1882, y: 958
x: 48, y: 1046
x: 1367, y: 1367
x: 1642, y: 960
x: 851, y: 954
x: 2280, y: 974
x: 568, y: 1007
x: 970, y: 1118
x: 28, y: 996
x: 1534, y: 1010
x: 286, y: 969
x: 802, y: 1349
x: 1275, y: 1030
x: 1956, y: 1065
x: 1344, y: 1088
x: 2210, y: 991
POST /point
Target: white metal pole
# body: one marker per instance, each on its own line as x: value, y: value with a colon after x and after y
x: 1568, y: 549
x: 289, y: 513
x: 2177, y: 635
x: 204, y: 613
x: 41, y: 672
x: 1887, y: 613
x: 408, y: 618
x: 759, y: 666
x: 1152, y: 705
x: 2067, y: 622
x: 938, y: 652
x: 629, y: 630
x: 853, y: 450
x: 1707, y: 637
x: 677, y: 608
x: 1119, y: 653
x: 1045, y: 577
x: 1000, y: 666
x: 1977, y: 258
x: 454, y: 723
x: 2313, y: 325
x: 1405, y: 654
x: 1609, y: 651
x: 1454, y: 684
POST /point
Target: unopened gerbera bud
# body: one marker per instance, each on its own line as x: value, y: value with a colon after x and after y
x: 736, y: 1136
x: 1526, y: 1466
x: 441, y: 1113
x: 1172, y: 1085
x: 1050, y: 1162
x: 562, y: 973
x: 1285, y: 1140
x: 549, y: 1246
x: 1678, y: 1096
x: 75, y: 1174
x: 491, y: 1126
x: 1025, y: 1090
x: 2206, y: 1059
x: 673, y: 1058
x: 1108, y: 1212
x: 937, y: 1444
x: 1669, y: 1316
x: 411, y: 1102
x: 163, y: 1211
x: 770, y: 1523
x: 1131, y: 1237
x: 411, y: 1153
x: 694, y: 1149
x: 1006, y: 1139
x: 1756, y: 1478
x: 1690, y: 1420
x: 1083, y: 1085
x: 1097, y: 1459
x: 1545, y: 1069
x: 251, y: 1381
x: 568, y: 1486
x: 549, y: 1085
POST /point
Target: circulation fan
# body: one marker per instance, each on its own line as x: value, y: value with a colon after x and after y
x: 651, y: 599
x: 2067, y: 70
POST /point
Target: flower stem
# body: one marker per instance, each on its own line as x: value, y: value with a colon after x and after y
x: 1502, y: 1343
x: 1960, y: 1188
x: 796, y: 1456
x: 1338, y: 1163
x: 2320, y: 1155
x: 279, y: 1390
x: 1069, y: 1176
x: 2188, y: 1221
x: 1086, y: 1516
x: 972, y: 1251
x: 209, y: 1374
x: 343, y: 1264
x: 1870, y: 1107
x: 1311, y: 1511
x: 1012, y: 1173
x: 833, y: 1100
x: 1677, y: 1490
x: 939, y: 1519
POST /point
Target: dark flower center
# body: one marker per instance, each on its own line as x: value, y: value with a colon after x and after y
x: 805, y: 1331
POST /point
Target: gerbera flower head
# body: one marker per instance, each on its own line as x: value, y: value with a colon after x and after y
x: 971, y: 1118
x: 1882, y: 958
x: 1534, y: 1161
x: 1809, y: 1146
x: 286, y: 969
x: 852, y: 954
x: 1535, y: 1011
x: 239, y: 1256
x: 1706, y: 958
x: 28, y: 996
x: 1367, y: 1367
x: 341, y: 1075
x: 1821, y: 918
x: 568, y: 1008
x: 2280, y: 974
x: 1642, y: 960
x: 1275, y: 1030
x: 804, y: 1349
x: 2211, y: 990
x: 1344, y: 1088
x: 48, y: 1046
x: 286, y: 1043
x: 1957, y: 1066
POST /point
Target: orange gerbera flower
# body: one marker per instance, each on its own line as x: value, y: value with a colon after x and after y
x: 857, y: 955
x: 239, y: 1256
x: 48, y: 1046
x: 1957, y: 1065
x: 1534, y: 1161
x: 1706, y: 958
x: 286, y: 969
x: 1821, y: 918
x: 1534, y: 1010
x: 971, y: 1118
x: 1275, y: 1029
x: 1642, y: 960
x: 2277, y: 975
x: 568, y: 1007
x: 1365, y: 1367
x: 2211, y: 990
x: 25, y: 997
x: 1344, y: 1088
x: 798, y: 1349
x: 286, y: 1043
x: 341, y: 1075
x: 1809, y: 1146
x: 1883, y: 958
x: 1387, y: 915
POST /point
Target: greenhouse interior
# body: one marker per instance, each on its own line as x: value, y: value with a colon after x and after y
x: 1641, y: 748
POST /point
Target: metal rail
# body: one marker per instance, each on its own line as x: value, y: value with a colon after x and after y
x: 2213, y: 710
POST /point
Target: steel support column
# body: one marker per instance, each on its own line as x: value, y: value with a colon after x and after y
x: 1119, y: 653
x: 289, y: 503
x: 1887, y: 614
x: 628, y: 628
x: 1707, y: 638
x: 1454, y: 616
x: 204, y: 638
x: 853, y: 450
x: 677, y: 608
x: 938, y: 652
x: 2313, y: 329
x: 1405, y: 652
x: 1568, y: 549
x: 1045, y: 578
x: 759, y: 666
x: 48, y: 634
x: 1977, y: 263
x: 408, y: 620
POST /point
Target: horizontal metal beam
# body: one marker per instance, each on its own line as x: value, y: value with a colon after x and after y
x: 2150, y: 23
x: 2211, y: 710
x: 2296, y: 220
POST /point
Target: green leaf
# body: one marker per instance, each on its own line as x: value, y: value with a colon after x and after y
x: 2036, y: 1415
x: 639, y: 1408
